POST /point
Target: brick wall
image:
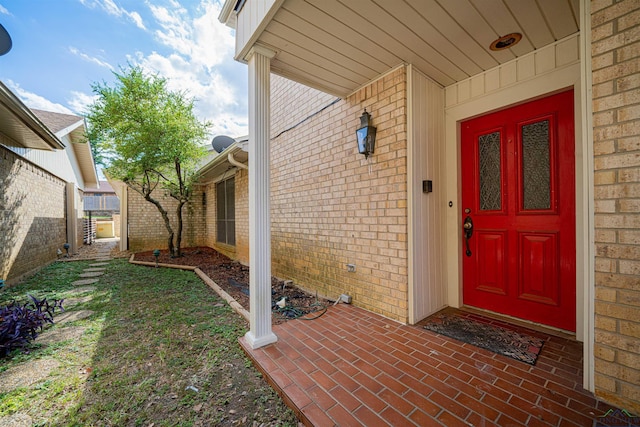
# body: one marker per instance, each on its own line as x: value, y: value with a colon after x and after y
x: 242, y: 216
x: 116, y: 224
x: 146, y: 226
x: 330, y: 206
x: 616, y: 117
x: 32, y: 216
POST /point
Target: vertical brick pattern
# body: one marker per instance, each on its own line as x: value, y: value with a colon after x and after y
x: 330, y: 206
x: 32, y: 216
x: 242, y: 216
x: 616, y: 116
x: 146, y: 226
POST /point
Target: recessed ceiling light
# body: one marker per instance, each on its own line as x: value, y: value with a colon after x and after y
x: 505, y: 42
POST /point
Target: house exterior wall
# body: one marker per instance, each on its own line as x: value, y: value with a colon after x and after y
x: 147, y: 230
x: 32, y: 216
x: 616, y: 118
x: 329, y: 206
x: 63, y: 163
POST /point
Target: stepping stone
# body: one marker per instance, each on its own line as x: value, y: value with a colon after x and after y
x: 95, y: 269
x: 72, y: 316
x: 92, y: 274
x: 85, y: 282
x: 102, y: 259
x: 26, y: 374
x: 16, y: 420
x: 98, y: 264
x: 60, y: 334
x: 83, y: 289
x: 70, y: 302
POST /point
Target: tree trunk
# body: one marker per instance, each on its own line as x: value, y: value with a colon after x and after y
x: 179, y: 232
x: 167, y: 223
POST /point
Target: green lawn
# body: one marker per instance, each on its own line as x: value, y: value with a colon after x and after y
x: 158, y: 348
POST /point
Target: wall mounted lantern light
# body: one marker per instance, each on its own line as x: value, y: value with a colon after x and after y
x: 366, y: 135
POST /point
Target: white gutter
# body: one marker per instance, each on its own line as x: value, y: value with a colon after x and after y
x: 236, y: 163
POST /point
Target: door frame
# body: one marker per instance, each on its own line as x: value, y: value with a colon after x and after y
x: 547, y: 83
x: 512, y: 216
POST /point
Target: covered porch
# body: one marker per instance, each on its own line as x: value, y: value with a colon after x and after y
x: 453, y: 73
x: 352, y: 367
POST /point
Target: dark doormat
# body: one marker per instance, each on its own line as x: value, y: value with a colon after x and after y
x: 517, y: 345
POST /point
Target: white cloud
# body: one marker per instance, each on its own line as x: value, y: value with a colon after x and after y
x: 200, y: 47
x: 112, y: 8
x: 4, y: 11
x: 80, y: 101
x: 194, y: 52
x: 38, y: 102
x: 90, y: 59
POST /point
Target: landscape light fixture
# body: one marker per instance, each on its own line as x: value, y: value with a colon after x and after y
x: 156, y: 253
x: 366, y: 135
x: 66, y: 247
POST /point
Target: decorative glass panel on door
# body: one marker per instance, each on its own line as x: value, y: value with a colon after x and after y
x: 536, y: 166
x: 490, y: 172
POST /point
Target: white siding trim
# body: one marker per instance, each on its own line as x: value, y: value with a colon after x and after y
x: 586, y: 200
x: 549, y: 59
x: 425, y: 154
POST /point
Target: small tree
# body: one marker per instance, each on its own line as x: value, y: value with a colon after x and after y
x: 151, y: 138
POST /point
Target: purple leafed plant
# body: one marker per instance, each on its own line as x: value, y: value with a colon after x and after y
x: 20, y: 324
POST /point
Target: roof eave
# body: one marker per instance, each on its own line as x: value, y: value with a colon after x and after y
x: 26, y: 117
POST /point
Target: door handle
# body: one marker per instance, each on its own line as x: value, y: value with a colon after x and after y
x: 468, y: 232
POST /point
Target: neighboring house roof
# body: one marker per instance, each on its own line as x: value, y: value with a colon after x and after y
x: 20, y: 127
x: 73, y: 127
x: 57, y: 122
x: 105, y: 187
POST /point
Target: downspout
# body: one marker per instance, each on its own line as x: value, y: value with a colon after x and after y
x: 236, y: 163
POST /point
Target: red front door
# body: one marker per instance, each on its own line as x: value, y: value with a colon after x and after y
x: 518, y: 212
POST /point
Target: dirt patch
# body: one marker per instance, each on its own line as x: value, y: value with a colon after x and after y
x: 16, y: 420
x: 233, y: 277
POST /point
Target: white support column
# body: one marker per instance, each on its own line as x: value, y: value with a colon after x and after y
x: 260, y: 333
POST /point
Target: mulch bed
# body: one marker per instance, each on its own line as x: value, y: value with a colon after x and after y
x: 233, y: 277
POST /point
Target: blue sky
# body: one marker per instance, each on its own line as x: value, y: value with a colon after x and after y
x: 61, y: 47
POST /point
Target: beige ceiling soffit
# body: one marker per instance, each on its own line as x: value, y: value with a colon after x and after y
x: 12, y: 103
x: 7, y: 140
x: 277, y: 4
x: 84, y: 157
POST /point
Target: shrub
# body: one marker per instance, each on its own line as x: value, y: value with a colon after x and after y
x: 19, y: 324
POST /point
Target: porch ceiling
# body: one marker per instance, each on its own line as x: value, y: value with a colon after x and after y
x: 339, y: 45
